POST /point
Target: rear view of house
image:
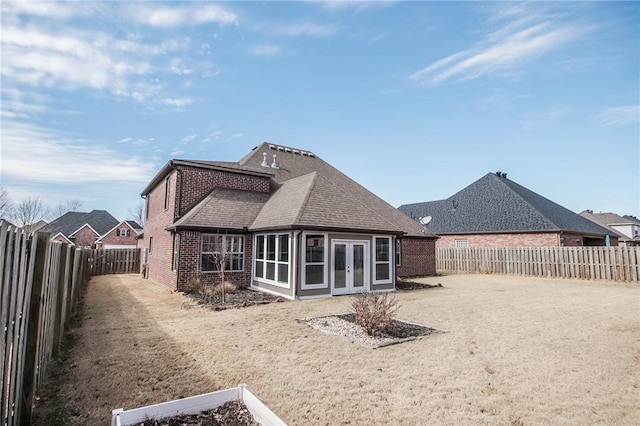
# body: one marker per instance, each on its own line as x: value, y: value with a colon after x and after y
x: 283, y: 221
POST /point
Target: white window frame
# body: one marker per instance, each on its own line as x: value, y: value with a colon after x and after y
x: 276, y: 262
x: 224, y: 242
x: 460, y: 243
x: 303, y: 263
x: 390, y: 261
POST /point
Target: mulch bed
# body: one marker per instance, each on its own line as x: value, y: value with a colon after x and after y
x: 240, y: 298
x: 232, y: 413
x: 412, y: 285
x: 398, y: 329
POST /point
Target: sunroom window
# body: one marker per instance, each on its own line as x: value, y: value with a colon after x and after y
x: 383, y: 259
x: 314, y: 260
x: 272, y: 258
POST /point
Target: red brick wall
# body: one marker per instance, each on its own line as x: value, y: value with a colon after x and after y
x: 85, y: 237
x: 112, y: 237
x: 157, y: 219
x: 197, y: 183
x: 417, y: 257
x: 190, y: 262
x: 546, y: 239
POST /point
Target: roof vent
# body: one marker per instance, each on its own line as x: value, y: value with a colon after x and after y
x: 264, y: 160
x: 272, y: 146
x: 274, y: 165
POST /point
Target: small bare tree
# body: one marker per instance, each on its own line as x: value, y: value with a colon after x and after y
x: 219, y: 254
x: 374, y: 311
x: 137, y: 212
x: 5, y: 203
x: 62, y: 208
x: 28, y: 212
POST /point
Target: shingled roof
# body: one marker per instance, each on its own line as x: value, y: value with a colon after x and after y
x: 306, y: 192
x: 100, y: 220
x: 494, y: 203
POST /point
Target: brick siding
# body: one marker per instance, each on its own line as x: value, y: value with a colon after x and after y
x: 196, y: 184
x: 190, y: 262
x: 525, y: 239
x: 112, y: 238
x: 417, y: 257
x: 85, y: 237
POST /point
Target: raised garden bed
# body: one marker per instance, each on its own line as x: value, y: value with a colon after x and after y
x: 240, y: 298
x: 240, y: 408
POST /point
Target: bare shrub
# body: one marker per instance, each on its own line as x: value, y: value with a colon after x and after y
x: 374, y: 311
x: 202, y: 290
x: 225, y: 288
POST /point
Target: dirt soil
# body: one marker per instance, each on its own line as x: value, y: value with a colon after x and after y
x: 516, y: 351
x: 232, y: 413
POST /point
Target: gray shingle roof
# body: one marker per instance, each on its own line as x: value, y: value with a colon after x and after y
x: 365, y: 210
x: 497, y: 204
x: 100, y: 220
x: 306, y: 192
x: 224, y: 208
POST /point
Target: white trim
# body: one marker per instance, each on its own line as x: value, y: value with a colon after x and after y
x: 316, y: 296
x: 63, y: 236
x: 90, y: 227
x: 118, y: 246
x: 118, y: 226
x: 266, y: 290
x: 274, y: 283
x: 349, y: 287
x: 303, y: 262
x: 390, y: 262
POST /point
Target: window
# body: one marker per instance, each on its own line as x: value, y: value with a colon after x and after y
x: 314, y: 261
x: 383, y: 259
x: 150, y: 243
x: 222, y: 250
x: 176, y: 248
x: 166, y: 192
x: 123, y: 232
x: 462, y: 243
x: 272, y: 258
x: 398, y: 256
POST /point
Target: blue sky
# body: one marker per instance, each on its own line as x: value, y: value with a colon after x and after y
x: 414, y: 100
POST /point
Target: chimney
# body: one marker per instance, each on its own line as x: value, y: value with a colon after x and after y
x: 274, y: 165
x: 264, y: 160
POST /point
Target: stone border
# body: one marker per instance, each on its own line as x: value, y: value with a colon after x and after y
x: 333, y: 325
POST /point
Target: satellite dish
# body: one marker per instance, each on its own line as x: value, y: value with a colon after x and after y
x: 425, y: 220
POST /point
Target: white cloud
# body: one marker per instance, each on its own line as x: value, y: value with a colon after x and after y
x: 49, y: 149
x: 621, y: 115
x: 185, y: 14
x: 264, y: 50
x: 505, y: 49
x: 306, y: 29
x: 188, y: 139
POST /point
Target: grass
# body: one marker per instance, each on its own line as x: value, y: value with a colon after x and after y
x: 516, y: 351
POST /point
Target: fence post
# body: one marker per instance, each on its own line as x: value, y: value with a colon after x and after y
x: 40, y: 253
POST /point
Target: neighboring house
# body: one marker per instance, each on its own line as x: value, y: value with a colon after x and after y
x: 80, y: 228
x: 497, y: 212
x: 123, y: 235
x: 626, y: 227
x: 285, y: 222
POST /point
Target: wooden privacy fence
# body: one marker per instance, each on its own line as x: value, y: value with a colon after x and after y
x: 41, y: 282
x: 591, y: 263
x: 114, y: 261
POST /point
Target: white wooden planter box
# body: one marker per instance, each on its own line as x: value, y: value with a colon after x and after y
x: 197, y: 404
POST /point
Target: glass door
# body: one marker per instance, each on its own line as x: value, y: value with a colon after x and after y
x: 350, y: 266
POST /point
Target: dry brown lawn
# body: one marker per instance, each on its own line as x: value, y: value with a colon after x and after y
x: 516, y: 351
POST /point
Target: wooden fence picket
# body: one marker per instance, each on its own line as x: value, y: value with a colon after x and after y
x: 621, y: 264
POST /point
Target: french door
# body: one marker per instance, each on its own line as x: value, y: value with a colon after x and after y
x: 349, y: 266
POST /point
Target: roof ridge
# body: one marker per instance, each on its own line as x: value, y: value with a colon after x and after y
x: 503, y: 181
x: 314, y: 177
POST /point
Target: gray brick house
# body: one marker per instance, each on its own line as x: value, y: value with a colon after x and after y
x: 290, y: 224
